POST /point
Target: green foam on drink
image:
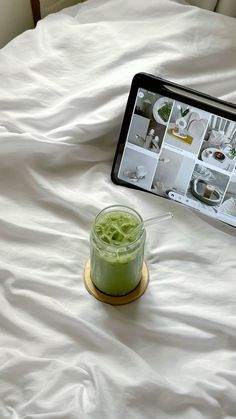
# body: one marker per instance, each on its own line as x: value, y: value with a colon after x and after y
x: 117, y: 228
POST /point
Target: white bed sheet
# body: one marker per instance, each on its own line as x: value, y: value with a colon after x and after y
x: 64, y: 355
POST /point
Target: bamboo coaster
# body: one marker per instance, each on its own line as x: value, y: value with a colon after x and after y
x: 110, y: 299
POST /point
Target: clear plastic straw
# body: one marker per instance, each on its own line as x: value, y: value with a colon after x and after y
x: 153, y: 220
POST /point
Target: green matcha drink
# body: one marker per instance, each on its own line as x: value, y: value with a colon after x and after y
x: 117, y: 250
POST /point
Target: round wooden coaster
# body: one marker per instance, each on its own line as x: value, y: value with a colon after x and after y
x: 110, y: 299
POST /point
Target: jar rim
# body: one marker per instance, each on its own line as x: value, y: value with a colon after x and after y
x: 113, y: 208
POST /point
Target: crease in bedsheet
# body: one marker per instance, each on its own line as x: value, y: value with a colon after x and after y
x: 171, y: 54
x: 63, y: 354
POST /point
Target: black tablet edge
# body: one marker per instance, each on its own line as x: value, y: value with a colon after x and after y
x: 150, y: 82
x: 146, y: 81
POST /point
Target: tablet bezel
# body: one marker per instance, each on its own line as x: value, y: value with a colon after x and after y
x: 173, y: 91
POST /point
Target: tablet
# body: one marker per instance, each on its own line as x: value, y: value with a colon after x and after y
x: 179, y: 144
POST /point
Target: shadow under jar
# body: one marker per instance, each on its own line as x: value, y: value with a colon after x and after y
x: 117, y: 242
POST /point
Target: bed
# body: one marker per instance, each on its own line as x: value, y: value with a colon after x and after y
x: 64, y: 354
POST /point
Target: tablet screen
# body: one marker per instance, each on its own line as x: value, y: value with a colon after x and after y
x: 182, y: 153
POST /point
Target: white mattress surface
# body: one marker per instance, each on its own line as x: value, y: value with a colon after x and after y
x: 63, y: 354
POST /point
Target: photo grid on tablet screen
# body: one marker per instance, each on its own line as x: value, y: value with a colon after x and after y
x: 182, y: 153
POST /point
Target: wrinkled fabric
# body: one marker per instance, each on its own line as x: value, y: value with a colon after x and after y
x: 63, y: 354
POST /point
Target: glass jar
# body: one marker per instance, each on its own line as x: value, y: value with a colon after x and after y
x: 117, y: 250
